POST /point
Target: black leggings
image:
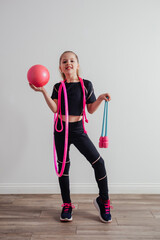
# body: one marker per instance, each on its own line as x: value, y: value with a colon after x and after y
x: 82, y: 142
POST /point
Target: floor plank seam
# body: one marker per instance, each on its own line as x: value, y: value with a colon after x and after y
x: 152, y: 214
x: 117, y: 221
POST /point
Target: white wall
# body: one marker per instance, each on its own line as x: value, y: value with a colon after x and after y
x: 118, y: 46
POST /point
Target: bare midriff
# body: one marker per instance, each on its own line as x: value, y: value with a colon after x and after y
x: 71, y: 118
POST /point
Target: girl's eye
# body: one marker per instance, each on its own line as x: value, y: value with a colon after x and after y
x: 66, y: 61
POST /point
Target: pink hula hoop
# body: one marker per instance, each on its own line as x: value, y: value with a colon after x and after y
x: 66, y: 128
x: 66, y: 123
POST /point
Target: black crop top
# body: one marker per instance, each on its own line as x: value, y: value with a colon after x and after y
x: 75, y: 96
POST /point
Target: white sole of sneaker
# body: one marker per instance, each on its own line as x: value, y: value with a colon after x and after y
x: 97, y: 207
x: 66, y: 219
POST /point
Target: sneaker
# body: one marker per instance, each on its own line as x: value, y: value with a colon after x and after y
x: 66, y: 214
x: 103, y: 206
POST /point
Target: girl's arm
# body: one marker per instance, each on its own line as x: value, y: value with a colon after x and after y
x: 52, y: 104
x: 92, y: 107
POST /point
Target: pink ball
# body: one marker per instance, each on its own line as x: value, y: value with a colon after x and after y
x: 38, y: 75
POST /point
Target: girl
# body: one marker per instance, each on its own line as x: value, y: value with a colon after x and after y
x: 69, y: 68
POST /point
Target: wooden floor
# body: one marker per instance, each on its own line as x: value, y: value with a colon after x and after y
x: 36, y: 217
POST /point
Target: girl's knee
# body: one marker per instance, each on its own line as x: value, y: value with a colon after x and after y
x: 67, y: 166
x: 99, y: 168
x: 99, y: 162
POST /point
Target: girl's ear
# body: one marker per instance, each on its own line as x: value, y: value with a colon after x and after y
x: 60, y: 69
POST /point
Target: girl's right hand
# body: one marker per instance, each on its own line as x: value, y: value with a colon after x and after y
x: 37, y: 89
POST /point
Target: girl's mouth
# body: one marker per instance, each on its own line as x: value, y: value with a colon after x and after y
x: 68, y: 68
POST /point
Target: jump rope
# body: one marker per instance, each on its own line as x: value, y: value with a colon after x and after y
x: 103, y: 141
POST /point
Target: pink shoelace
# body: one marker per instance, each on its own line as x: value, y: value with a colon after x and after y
x: 107, y: 206
x: 67, y: 206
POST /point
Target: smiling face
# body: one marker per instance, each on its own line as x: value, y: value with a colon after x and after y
x: 69, y: 64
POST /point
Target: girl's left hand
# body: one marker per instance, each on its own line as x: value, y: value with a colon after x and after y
x: 105, y: 96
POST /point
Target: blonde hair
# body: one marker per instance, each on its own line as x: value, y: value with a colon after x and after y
x: 62, y: 74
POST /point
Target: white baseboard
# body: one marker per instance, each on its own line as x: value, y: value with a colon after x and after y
x: 79, y: 188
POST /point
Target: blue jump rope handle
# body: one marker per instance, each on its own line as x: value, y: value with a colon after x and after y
x: 105, y: 117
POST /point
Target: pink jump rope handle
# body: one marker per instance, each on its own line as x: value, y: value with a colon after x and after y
x: 103, y: 140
